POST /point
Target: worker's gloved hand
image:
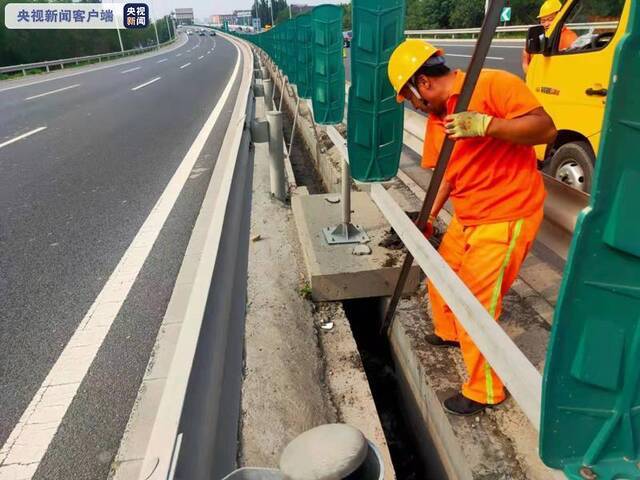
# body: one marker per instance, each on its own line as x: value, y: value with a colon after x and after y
x: 428, y: 229
x: 467, y: 125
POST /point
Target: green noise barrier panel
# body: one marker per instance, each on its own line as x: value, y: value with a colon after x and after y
x: 328, y: 67
x: 375, y: 119
x: 591, y: 391
x: 304, y: 51
x: 291, y: 51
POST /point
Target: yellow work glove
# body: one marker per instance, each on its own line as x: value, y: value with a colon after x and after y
x: 467, y: 124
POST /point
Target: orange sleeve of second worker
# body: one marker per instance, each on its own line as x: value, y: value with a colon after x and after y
x: 433, y: 139
x: 510, y: 97
x: 567, y: 38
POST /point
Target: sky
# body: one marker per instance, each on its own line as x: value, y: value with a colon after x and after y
x: 205, y: 8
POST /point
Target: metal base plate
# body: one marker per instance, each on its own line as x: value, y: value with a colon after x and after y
x: 344, y: 234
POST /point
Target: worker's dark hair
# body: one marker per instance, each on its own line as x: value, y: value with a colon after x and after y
x: 439, y: 70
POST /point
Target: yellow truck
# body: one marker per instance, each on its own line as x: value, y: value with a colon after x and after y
x: 572, y: 82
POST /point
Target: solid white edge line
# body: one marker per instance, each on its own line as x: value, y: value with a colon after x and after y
x: 131, y: 70
x: 27, y: 444
x: 20, y: 137
x: 32, y: 97
x: 157, y: 458
x: 185, y: 65
x: 114, y: 63
x: 153, y: 80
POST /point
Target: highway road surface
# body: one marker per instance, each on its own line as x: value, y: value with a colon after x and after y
x: 99, y: 173
x: 505, y: 55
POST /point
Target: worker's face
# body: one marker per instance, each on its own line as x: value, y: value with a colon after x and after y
x: 547, y: 21
x: 433, y: 93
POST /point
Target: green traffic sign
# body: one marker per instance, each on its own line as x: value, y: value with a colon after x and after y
x: 505, y: 16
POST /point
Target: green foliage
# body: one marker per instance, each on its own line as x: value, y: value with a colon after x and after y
x: 346, y: 16
x: 28, y: 46
x: 467, y: 14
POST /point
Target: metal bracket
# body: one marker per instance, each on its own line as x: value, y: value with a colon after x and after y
x: 344, y: 234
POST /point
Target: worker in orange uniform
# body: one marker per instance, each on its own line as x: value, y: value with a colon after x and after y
x: 495, y: 187
x: 547, y: 15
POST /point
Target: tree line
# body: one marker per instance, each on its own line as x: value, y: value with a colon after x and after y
x: 28, y: 46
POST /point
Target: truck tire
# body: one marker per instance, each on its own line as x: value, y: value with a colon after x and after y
x: 573, y: 164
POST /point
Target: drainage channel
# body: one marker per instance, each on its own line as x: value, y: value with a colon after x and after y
x: 406, y: 448
x: 406, y: 443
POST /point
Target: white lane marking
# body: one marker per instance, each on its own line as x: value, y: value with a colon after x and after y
x: 200, y: 57
x: 30, y: 439
x: 185, y: 65
x: 153, y: 80
x: 179, y: 55
x: 161, y: 60
x: 20, y: 137
x: 83, y: 71
x: 469, y: 56
x: 53, y: 91
x: 473, y: 45
x: 131, y: 70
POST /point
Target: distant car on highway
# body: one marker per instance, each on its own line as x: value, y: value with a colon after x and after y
x: 347, y: 37
x: 212, y: 33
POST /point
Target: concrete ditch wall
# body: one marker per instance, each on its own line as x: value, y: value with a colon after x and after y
x: 500, y: 444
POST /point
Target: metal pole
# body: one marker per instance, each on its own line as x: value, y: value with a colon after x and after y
x: 282, y: 91
x: 293, y: 128
x: 168, y: 28
x: 155, y: 27
x: 119, y: 34
x: 271, y: 8
x: 276, y: 155
x: 268, y: 93
x: 289, y: 11
x: 346, y: 195
x: 489, y: 26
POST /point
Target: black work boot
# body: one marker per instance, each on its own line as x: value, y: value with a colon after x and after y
x: 463, y: 406
x: 436, y: 341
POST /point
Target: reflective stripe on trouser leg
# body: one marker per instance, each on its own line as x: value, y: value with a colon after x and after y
x: 495, y: 298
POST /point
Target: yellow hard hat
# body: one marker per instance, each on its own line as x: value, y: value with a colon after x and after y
x: 407, y: 58
x: 549, y: 8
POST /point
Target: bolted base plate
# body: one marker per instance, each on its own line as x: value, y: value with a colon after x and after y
x: 344, y: 234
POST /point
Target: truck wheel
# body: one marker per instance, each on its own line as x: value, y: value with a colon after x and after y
x: 573, y: 164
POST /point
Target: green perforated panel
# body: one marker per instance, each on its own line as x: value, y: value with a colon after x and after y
x: 591, y: 391
x: 375, y: 125
x: 305, y: 56
x: 328, y: 68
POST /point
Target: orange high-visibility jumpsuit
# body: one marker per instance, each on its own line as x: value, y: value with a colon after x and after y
x: 498, y: 196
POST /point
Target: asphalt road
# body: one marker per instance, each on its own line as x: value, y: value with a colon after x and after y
x: 502, y: 55
x: 83, y: 161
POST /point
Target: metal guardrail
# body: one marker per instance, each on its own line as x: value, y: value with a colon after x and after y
x: 505, y: 29
x: 76, y: 60
x: 199, y: 384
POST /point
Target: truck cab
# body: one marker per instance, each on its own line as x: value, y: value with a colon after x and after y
x: 572, y: 82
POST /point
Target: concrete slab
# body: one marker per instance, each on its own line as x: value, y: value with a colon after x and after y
x: 334, y: 272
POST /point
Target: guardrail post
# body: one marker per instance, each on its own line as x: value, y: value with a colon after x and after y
x: 24, y: 72
x: 47, y: 67
x: 267, y: 83
x: 62, y: 66
x: 276, y: 155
